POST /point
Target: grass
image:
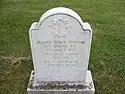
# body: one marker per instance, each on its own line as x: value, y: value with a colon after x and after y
x: 107, y: 60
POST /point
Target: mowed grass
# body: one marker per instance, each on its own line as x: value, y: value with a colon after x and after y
x: 107, y: 59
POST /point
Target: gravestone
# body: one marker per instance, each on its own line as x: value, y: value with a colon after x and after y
x: 60, y: 45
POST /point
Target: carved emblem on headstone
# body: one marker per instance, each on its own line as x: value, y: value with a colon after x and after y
x: 59, y: 24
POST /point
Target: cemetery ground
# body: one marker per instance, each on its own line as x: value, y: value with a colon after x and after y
x: 107, y: 59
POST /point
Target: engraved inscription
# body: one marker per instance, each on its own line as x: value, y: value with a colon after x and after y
x: 61, y: 52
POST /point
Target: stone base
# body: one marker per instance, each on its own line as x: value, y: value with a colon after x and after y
x: 87, y: 88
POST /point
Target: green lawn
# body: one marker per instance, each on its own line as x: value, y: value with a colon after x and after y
x: 107, y: 60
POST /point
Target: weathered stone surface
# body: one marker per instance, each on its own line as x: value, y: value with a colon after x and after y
x: 87, y: 88
x: 60, y: 44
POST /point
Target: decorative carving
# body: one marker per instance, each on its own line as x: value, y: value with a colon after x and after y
x: 61, y: 27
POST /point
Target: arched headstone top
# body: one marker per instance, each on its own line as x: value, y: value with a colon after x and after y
x: 62, y: 11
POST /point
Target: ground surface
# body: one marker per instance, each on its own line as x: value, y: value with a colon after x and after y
x: 107, y: 60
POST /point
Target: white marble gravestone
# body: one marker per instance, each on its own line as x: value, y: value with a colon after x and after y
x: 60, y: 44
